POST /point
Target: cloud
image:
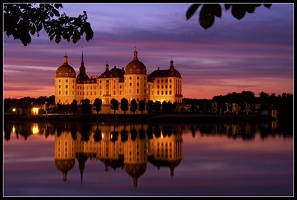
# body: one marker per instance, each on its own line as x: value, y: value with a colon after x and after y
x: 258, y: 47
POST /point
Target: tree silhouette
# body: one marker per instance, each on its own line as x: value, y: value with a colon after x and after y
x: 74, y: 106
x: 114, y: 105
x: 98, y: 105
x: 208, y: 12
x: 133, y: 106
x: 23, y: 20
x: 157, y: 106
x: 124, y: 105
x: 150, y: 106
x: 141, y: 106
x: 85, y: 106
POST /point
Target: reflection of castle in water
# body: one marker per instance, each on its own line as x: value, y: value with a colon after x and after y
x: 132, y: 146
x: 127, y: 146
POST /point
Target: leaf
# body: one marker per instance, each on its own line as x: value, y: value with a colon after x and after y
x: 217, y: 10
x: 32, y: 30
x: 56, y: 12
x: 191, y: 10
x: 267, y: 5
x: 227, y: 6
x: 238, y: 11
x: 39, y: 27
x: 58, y: 5
x: 250, y: 8
x: 206, y: 17
x: 58, y: 39
x: 51, y: 37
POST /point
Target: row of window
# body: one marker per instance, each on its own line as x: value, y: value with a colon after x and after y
x: 120, y: 93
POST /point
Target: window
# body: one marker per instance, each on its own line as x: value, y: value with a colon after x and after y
x: 66, y: 86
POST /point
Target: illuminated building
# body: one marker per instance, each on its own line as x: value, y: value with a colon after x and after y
x: 133, y: 82
x: 64, y: 153
x: 123, y: 146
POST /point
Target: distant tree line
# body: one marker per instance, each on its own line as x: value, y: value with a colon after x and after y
x: 243, y: 102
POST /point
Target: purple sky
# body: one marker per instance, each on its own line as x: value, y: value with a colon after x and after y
x: 251, y: 54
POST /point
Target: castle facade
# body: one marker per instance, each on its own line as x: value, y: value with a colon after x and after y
x: 131, y: 82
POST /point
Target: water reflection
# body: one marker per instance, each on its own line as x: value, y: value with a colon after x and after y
x: 130, y: 146
x: 117, y: 146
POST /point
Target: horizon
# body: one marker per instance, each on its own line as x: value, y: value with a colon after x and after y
x: 252, y: 54
x: 256, y: 95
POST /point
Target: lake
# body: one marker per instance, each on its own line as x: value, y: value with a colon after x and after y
x: 155, y: 159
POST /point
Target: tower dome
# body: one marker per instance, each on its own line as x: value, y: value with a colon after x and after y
x: 64, y: 165
x: 135, y: 66
x: 135, y: 170
x: 65, y: 70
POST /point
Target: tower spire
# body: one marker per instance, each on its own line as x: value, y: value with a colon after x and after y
x: 82, y: 57
x: 135, y: 57
x: 171, y: 64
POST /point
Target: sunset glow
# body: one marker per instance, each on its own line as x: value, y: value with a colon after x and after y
x: 252, y: 54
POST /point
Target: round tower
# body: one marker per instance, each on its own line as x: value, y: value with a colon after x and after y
x: 65, y: 83
x: 135, y: 80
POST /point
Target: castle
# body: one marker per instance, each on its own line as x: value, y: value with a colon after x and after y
x: 131, y: 82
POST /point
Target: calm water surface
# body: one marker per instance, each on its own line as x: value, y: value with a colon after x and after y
x: 73, y: 159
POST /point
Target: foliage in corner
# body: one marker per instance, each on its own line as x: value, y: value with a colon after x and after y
x: 23, y: 20
x: 208, y: 12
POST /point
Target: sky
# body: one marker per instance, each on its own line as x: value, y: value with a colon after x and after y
x: 252, y: 54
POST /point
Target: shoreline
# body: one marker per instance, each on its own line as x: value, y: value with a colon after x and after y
x: 141, y: 118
